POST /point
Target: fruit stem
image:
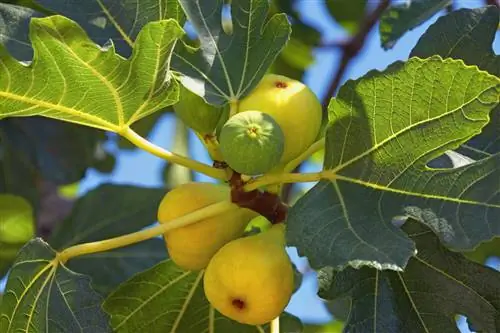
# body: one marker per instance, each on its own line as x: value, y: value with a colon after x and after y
x: 275, y: 325
x: 139, y: 236
x: 318, y: 145
x: 283, y: 178
x: 150, y: 147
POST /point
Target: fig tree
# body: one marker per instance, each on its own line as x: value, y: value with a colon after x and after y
x: 251, y: 142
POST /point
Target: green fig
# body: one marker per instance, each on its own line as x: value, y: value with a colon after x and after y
x: 251, y: 279
x: 196, y: 113
x: 251, y: 142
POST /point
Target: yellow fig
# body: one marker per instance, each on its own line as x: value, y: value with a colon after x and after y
x: 191, y: 247
x: 293, y: 106
x: 250, y: 279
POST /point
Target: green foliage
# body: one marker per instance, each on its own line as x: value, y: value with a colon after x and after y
x: 140, y: 304
x: 376, y: 179
x: 400, y: 18
x: 237, y: 62
x: 468, y: 34
x: 97, y: 86
x: 42, y: 294
x: 435, y: 286
x: 105, y: 212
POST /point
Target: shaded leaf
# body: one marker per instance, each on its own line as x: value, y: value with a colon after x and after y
x: 14, y: 30
x: 110, y: 211
x: 88, y: 85
x: 168, y: 299
x: 347, y: 13
x: 227, y: 66
x: 374, y: 176
x: 468, y: 34
x: 436, y: 285
x: 59, y: 152
x: 44, y: 296
x: 400, y: 18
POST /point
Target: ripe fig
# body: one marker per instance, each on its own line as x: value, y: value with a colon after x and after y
x: 191, y: 247
x: 251, y: 142
x: 293, y: 106
x: 196, y: 113
x: 250, y: 279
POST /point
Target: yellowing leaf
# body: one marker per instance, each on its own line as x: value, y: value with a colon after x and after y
x: 73, y: 79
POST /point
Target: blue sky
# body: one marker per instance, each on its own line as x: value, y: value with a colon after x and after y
x: 140, y: 168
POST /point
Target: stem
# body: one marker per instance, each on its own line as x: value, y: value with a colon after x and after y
x: 282, y: 178
x: 139, y: 236
x: 150, y: 147
x: 318, y: 145
x: 275, y: 325
x: 233, y: 108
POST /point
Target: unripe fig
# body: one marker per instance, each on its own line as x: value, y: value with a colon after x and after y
x: 251, y: 279
x: 191, y: 247
x: 196, y: 113
x: 251, y: 142
x: 293, y: 106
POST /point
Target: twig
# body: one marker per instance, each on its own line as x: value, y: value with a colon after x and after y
x: 351, y: 48
x: 493, y: 2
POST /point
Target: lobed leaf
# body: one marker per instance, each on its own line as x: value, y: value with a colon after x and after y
x: 436, y: 286
x: 44, y: 296
x: 73, y: 79
x: 400, y: 18
x: 384, y: 128
x: 468, y: 34
x: 228, y: 65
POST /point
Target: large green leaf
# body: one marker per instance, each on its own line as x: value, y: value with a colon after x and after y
x: 72, y: 79
x: 16, y: 228
x: 168, y: 299
x: 44, y: 296
x: 117, y: 20
x: 384, y: 128
x: 106, y: 212
x: 436, y: 286
x: 228, y: 65
x: 400, y: 18
x: 468, y: 34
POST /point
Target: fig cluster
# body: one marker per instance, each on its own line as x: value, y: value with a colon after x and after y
x: 248, y: 276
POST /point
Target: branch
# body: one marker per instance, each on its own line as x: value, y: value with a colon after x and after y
x: 351, y: 48
x: 493, y: 2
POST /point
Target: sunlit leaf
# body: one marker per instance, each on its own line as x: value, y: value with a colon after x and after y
x: 384, y: 128
x: 140, y: 305
x: 44, y: 296
x: 400, y: 18
x: 227, y: 66
x: 436, y: 286
x: 468, y: 34
x: 111, y: 211
x: 72, y: 79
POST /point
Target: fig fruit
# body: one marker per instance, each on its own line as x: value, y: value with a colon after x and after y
x: 251, y: 142
x: 196, y: 113
x: 250, y: 279
x: 192, y: 246
x: 293, y: 106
